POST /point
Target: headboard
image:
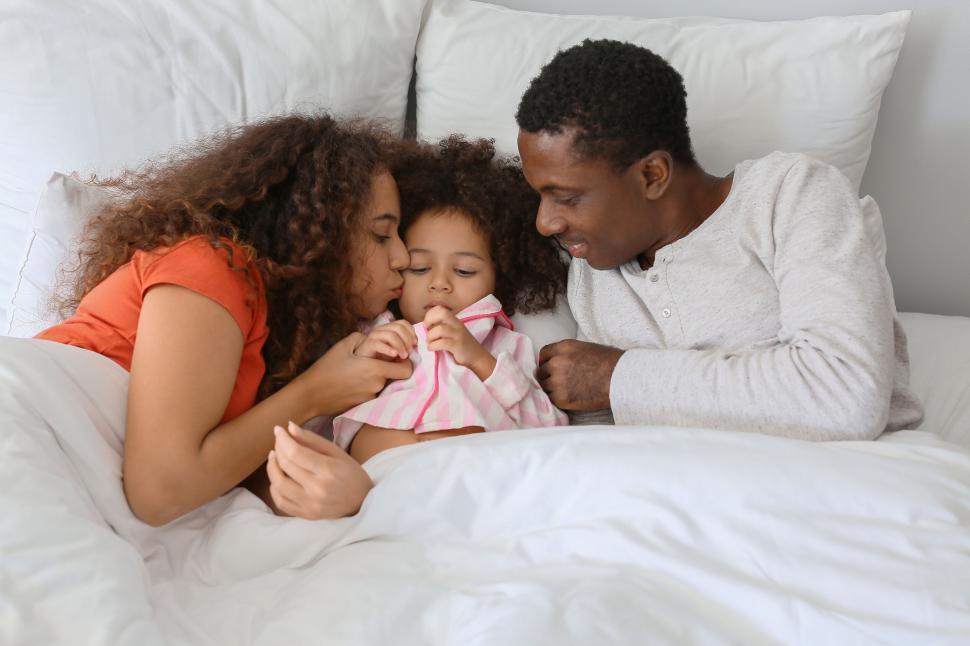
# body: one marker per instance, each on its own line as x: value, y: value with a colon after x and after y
x: 918, y: 169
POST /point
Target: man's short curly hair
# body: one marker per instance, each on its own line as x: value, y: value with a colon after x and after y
x: 465, y: 176
x: 624, y: 101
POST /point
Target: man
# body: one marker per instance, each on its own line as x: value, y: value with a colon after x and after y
x: 748, y: 302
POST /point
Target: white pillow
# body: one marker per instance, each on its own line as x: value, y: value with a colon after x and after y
x: 101, y: 84
x: 939, y: 355
x: 63, y: 209
x: 811, y: 86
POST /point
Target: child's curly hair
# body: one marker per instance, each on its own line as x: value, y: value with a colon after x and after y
x: 465, y: 176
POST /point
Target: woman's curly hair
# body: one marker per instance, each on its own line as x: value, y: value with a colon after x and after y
x: 288, y: 190
x: 465, y: 176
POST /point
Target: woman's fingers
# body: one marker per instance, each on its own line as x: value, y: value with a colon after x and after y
x: 336, y: 487
x: 309, y: 440
x: 281, y: 485
x: 306, y: 459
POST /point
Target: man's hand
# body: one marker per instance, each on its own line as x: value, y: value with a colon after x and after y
x: 576, y: 374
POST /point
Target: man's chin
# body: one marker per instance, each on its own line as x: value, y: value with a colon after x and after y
x: 601, y: 264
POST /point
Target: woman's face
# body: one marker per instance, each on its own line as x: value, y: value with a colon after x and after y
x: 377, y: 276
x: 450, y: 264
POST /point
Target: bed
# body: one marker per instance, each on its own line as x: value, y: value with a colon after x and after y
x: 583, y: 535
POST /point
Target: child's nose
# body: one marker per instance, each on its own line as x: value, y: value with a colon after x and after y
x: 439, y: 282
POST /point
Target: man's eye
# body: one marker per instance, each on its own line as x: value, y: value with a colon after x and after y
x: 566, y: 201
x: 465, y: 273
x: 418, y: 270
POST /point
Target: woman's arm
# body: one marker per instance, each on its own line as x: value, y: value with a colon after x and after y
x: 177, y: 455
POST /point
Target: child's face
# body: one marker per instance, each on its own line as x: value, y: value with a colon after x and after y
x: 450, y: 264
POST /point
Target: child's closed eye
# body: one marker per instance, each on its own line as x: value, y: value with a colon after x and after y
x: 418, y: 270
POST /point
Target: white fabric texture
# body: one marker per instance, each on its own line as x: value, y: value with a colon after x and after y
x: 811, y: 86
x: 546, y: 536
x: 939, y: 351
x: 63, y: 210
x: 774, y: 315
x: 103, y: 84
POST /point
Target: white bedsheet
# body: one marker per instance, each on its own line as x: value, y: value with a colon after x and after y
x: 591, y: 535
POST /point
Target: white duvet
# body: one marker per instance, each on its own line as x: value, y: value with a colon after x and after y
x: 592, y: 535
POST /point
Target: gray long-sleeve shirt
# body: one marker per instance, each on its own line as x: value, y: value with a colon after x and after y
x: 775, y: 315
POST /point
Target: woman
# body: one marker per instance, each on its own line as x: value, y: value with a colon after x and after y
x: 218, y: 283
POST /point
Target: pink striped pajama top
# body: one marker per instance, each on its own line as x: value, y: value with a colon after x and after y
x: 442, y: 395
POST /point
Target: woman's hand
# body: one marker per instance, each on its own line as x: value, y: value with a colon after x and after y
x: 446, y: 332
x: 390, y: 341
x: 313, y: 478
x: 340, y: 379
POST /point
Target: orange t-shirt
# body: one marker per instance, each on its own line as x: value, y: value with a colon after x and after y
x: 106, y: 320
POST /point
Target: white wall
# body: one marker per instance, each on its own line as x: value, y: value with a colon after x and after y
x: 919, y: 170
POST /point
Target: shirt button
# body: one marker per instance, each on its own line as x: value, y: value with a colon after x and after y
x: 654, y: 278
x: 666, y: 312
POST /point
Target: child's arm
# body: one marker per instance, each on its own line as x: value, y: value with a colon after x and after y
x: 514, y: 386
x: 509, y: 377
x: 371, y: 440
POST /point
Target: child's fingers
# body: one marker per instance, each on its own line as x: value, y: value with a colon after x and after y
x: 407, y: 331
x: 436, y: 316
x: 393, y: 337
x: 401, y: 340
x: 386, y: 350
x: 436, y: 333
x: 442, y: 344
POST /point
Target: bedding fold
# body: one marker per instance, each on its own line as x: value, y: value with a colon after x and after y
x: 619, y: 535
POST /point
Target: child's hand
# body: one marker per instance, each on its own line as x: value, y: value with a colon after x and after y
x: 446, y: 332
x: 391, y: 341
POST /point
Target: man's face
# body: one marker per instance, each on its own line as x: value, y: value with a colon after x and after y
x: 594, y: 211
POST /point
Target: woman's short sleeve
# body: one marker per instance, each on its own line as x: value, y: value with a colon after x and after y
x: 198, y: 266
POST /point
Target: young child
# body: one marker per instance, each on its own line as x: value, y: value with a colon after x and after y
x: 468, y: 223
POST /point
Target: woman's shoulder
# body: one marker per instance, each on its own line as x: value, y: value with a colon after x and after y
x: 200, y: 250
x: 223, y: 271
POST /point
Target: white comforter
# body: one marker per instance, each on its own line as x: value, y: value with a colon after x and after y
x: 589, y: 536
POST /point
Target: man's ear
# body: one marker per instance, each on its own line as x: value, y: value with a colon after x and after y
x: 654, y: 173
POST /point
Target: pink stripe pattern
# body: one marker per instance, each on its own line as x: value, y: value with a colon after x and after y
x: 441, y: 395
